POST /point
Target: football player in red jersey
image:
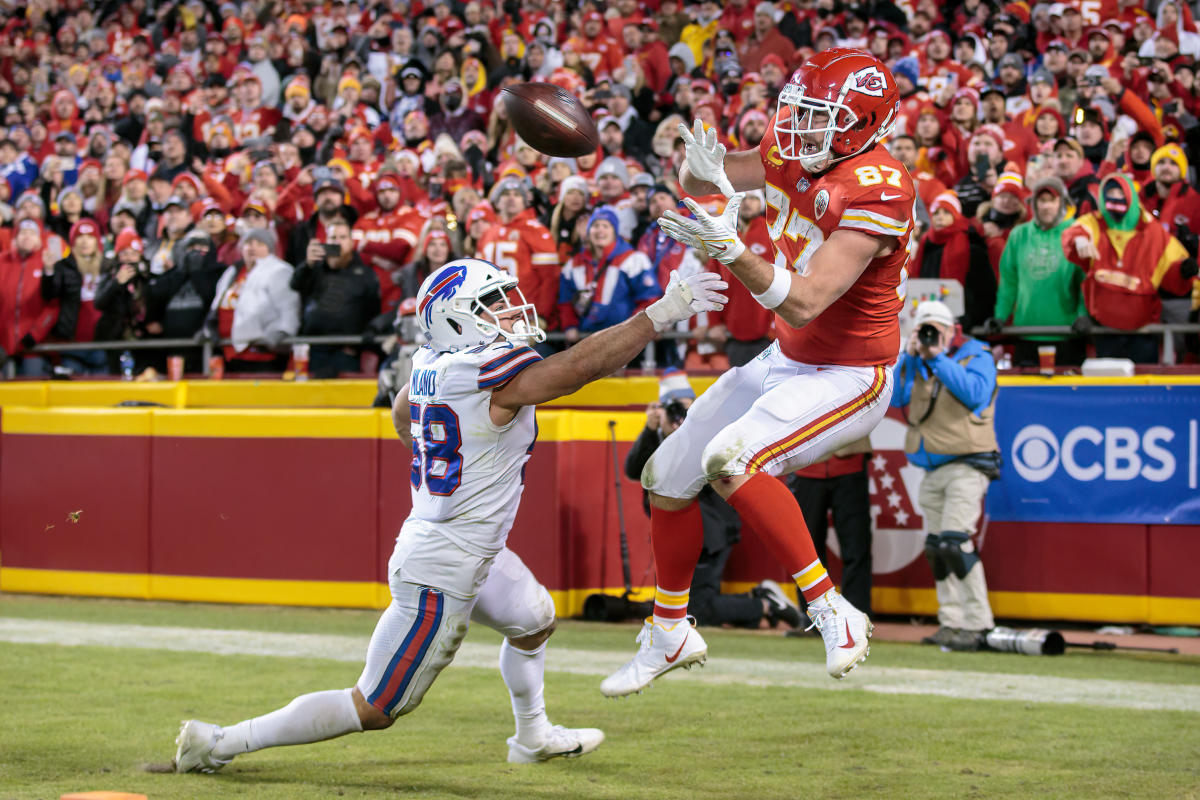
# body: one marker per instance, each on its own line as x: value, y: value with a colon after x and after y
x: 839, y: 214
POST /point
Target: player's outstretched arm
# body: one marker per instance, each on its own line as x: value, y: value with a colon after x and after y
x: 604, y: 352
x: 832, y: 270
x: 744, y: 170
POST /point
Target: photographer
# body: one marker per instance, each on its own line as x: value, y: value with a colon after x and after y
x: 181, y: 295
x: 339, y: 294
x: 948, y: 383
x: 722, y: 527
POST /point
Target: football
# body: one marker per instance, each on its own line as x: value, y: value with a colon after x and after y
x: 551, y: 119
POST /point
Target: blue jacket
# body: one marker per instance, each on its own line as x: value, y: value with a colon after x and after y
x: 593, y: 295
x: 972, y: 383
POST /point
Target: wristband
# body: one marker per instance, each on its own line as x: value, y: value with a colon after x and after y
x: 774, y: 295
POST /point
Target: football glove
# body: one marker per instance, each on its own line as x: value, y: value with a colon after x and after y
x: 716, y: 236
x: 705, y: 156
x: 685, y: 297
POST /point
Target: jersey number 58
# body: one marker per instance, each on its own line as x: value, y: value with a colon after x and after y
x: 436, y: 459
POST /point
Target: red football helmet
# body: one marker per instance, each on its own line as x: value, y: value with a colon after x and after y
x: 857, y: 96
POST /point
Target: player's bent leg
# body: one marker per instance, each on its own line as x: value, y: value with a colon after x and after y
x: 313, y: 717
x: 794, y: 423
x: 512, y: 602
x: 414, y: 640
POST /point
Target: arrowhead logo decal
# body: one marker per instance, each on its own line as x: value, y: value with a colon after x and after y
x: 869, y: 81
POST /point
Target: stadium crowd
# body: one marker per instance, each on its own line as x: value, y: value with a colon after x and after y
x: 274, y: 168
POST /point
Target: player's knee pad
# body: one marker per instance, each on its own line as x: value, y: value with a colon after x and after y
x: 724, y: 455
x: 934, y: 556
x: 536, y: 617
x: 958, y: 552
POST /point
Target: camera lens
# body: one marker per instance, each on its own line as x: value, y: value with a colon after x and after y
x: 928, y: 335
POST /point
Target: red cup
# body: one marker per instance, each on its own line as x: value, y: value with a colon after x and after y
x: 1046, y: 353
x: 216, y: 368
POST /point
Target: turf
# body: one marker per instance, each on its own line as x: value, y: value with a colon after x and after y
x: 80, y: 718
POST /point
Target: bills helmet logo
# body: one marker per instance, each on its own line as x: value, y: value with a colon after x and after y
x: 448, y: 281
x: 869, y: 81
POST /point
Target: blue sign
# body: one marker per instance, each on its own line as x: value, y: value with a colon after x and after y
x: 1098, y: 454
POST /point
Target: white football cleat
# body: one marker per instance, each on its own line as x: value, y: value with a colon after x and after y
x: 196, y: 741
x: 560, y: 742
x: 661, y: 650
x: 845, y: 629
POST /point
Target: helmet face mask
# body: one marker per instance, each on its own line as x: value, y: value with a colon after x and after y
x: 810, y: 117
x: 460, y: 306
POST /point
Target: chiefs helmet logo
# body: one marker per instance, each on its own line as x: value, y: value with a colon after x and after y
x: 869, y: 81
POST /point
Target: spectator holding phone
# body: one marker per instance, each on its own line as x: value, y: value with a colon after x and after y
x: 340, y: 296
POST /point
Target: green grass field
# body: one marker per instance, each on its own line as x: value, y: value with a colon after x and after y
x: 94, y: 716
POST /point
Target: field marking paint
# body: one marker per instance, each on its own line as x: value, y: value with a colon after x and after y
x: 884, y: 680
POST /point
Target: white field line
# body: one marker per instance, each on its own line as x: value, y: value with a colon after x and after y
x: 885, y: 680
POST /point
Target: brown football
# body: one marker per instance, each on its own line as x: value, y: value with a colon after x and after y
x: 551, y: 119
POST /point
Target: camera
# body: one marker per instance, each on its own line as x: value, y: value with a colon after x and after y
x: 332, y: 250
x: 675, y: 411
x: 928, y: 335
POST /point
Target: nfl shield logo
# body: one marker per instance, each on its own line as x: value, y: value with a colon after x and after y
x: 802, y: 185
x: 821, y: 203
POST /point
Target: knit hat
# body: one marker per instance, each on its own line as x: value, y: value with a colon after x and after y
x: 613, y: 166
x: 84, y: 227
x: 575, y: 182
x: 1172, y: 152
x: 607, y: 214
x: 482, y: 211
x: 264, y: 235
x: 994, y: 131
x: 129, y: 240
x: 673, y: 385
x: 1012, y: 183
x: 30, y: 196
x: 133, y: 175
x: 348, y: 81
x: 948, y: 201
x: 387, y: 181
x: 934, y: 311
x: 908, y: 67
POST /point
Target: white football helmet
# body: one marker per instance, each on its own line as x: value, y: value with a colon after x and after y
x: 455, y: 307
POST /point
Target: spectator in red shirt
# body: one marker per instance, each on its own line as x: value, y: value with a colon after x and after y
x: 765, y: 40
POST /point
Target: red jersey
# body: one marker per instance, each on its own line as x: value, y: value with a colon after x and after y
x: 524, y: 248
x: 871, y: 193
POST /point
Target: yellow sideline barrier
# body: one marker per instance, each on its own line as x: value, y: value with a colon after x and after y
x: 634, y: 390
x: 286, y: 423
x: 568, y: 602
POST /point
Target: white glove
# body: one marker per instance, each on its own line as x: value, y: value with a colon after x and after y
x: 1085, y: 248
x: 706, y: 156
x: 685, y: 297
x: 717, y: 237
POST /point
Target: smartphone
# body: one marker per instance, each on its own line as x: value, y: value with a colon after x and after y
x: 332, y: 250
x: 981, y: 167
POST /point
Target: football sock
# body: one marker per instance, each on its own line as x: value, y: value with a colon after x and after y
x: 676, y: 538
x: 309, y: 718
x: 768, y: 508
x: 523, y: 672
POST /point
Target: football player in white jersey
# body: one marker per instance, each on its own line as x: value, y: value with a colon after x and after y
x: 468, y: 413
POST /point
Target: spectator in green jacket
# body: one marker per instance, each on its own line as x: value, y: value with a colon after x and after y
x: 1038, y: 285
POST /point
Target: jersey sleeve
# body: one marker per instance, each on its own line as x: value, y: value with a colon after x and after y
x: 500, y: 363
x: 879, y: 207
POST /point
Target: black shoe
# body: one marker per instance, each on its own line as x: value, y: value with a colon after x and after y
x: 780, y: 608
x: 966, y: 641
x: 941, y: 637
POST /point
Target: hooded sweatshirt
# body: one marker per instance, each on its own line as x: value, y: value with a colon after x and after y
x: 1136, y: 257
x: 1038, y: 285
